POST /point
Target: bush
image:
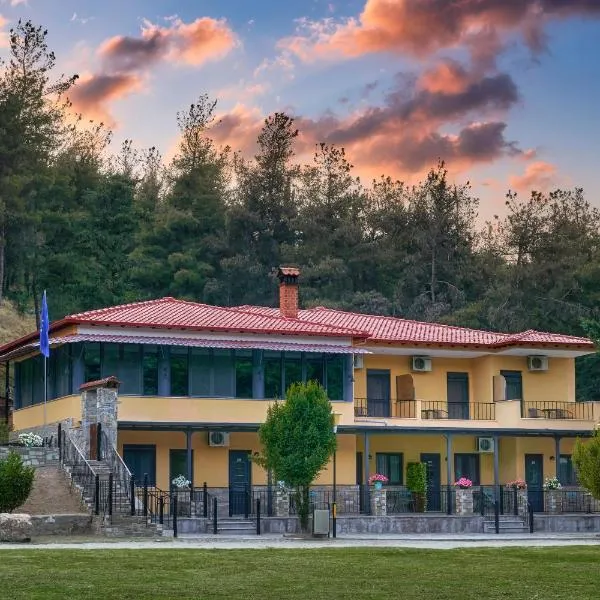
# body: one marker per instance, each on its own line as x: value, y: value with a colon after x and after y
x: 586, y: 458
x: 4, y: 431
x: 16, y: 481
x: 416, y: 482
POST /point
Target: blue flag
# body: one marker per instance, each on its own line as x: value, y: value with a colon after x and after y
x: 44, y: 328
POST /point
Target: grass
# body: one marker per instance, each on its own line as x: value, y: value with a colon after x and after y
x: 532, y: 573
x: 12, y: 324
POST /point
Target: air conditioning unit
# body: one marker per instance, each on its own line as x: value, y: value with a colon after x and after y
x: 485, y: 445
x: 218, y: 439
x: 359, y: 361
x: 537, y: 363
x: 421, y: 363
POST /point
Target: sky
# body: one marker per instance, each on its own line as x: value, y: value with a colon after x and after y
x: 507, y: 92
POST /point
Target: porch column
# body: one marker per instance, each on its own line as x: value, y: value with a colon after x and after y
x: 449, y: 472
x: 367, y: 499
x: 189, y: 463
x: 164, y: 372
x: 497, y: 492
x: 557, y: 455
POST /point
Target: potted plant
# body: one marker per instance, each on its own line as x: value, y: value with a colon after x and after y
x: 464, y: 496
x: 463, y: 483
x: 416, y: 482
x: 517, y: 484
x: 178, y: 485
x: 519, y: 488
x: 553, y: 495
x: 378, y: 480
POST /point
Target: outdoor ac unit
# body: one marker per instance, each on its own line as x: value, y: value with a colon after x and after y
x: 359, y: 361
x: 218, y: 439
x: 485, y: 445
x: 537, y: 363
x: 421, y: 363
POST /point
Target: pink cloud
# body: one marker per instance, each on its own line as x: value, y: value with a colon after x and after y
x: 539, y: 176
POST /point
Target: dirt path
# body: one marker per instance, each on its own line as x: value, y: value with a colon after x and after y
x: 51, y: 494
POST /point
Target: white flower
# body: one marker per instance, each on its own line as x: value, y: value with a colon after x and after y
x: 181, y: 482
x: 31, y: 440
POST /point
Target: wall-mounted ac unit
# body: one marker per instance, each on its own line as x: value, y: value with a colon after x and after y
x: 359, y: 361
x: 485, y: 445
x: 537, y: 363
x: 218, y: 439
x: 421, y: 363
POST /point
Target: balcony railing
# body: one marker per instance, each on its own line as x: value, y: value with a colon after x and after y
x: 478, y: 411
x: 384, y: 407
x: 583, y: 411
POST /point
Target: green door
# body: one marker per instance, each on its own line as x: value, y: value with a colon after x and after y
x: 141, y: 461
x: 240, y: 472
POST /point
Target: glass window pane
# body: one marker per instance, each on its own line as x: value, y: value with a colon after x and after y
x: 200, y: 372
x: 26, y: 382
x: 243, y: 374
x: 223, y: 373
x: 178, y: 359
x: 38, y: 380
x: 467, y: 465
x: 335, y: 377
x: 292, y: 368
x: 272, y: 362
x: 314, y: 368
x: 91, y: 357
x: 566, y: 472
x: 395, y: 469
x: 61, y: 371
x: 150, y: 370
x: 130, y: 370
x: 110, y: 360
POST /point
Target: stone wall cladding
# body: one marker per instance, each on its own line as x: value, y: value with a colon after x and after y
x: 566, y: 523
x: 33, y: 457
x: 79, y: 524
x: 378, y: 503
x: 464, y: 502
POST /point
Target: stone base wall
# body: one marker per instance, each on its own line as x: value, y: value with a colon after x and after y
x: 378, y: 500
x: 572, y: 523
x: 34, y: 457
x: 62, y: 524
x: 464, y: 502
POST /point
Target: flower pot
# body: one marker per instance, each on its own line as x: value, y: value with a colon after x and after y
x: 378, y: 485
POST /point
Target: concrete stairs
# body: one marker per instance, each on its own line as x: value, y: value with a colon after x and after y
x: 507, y: 524
x: 233, y: 526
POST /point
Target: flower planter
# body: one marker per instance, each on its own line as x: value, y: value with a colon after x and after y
x: 553, y: 501
x: 378, y: 485
x: 378, y: 503
x: 464, y: 501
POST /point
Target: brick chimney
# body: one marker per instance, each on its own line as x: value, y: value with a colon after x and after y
x: 288, y: 291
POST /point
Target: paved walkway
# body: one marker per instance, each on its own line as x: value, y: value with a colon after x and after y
x: 439, y: 542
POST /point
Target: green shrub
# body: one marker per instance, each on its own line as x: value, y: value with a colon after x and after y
x: 4, y: 431
x: 416, y: 477
x: 16, y: 481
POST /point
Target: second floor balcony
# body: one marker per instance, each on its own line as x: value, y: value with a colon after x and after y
x: 508, y: 413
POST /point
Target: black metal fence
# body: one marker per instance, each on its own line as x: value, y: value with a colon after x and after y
x: 547, y: 409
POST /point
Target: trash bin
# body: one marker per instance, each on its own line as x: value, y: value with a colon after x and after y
x: 320, y: 523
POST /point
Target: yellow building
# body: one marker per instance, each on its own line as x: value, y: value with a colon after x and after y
x: 196, y: 381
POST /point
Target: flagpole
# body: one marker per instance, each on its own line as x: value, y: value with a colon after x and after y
x: 45, y: 346
x: 45, y: 387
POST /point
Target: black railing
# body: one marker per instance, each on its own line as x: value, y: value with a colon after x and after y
x: 82, y: 475
x: 122, y: 476
x: 434, y: 409
x: 385, y: 407
x: 546, y: 409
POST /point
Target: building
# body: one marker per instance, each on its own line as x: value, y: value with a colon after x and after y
x: 196, y: 381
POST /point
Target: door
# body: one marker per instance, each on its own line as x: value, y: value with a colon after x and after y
x: 458, y: 395
x: 141, y: 460
x: 239, y: 482
x: 434, y: 483
x: 178, y: 464
x: 514, y: 384
x: 534, y: 477
x: 378, y: 393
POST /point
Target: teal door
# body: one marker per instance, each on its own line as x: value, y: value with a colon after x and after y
x: 141, y: 461
x: 534, y: 477
x: 458, y: 395
x: 240, y: 474
x: 434, y: 487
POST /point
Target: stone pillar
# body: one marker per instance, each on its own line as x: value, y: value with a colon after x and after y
x: 378, y: 502
x: 464, y: 501
x: 553, y: 501
x: 99, y: 400
x: 522, y: 502
x: 281, y: 503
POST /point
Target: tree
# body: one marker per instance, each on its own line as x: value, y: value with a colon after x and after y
x: 16, y: 481
x: 298, y: 440
x: 586, y: 458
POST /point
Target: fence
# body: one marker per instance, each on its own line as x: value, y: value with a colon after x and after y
x: 557, y: 410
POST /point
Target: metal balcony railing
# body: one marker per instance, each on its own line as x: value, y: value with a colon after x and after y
x: 385, y: 407
x: 465, y: 411
x: 547, y: 409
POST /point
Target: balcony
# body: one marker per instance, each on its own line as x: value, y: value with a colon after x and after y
x: 581, y: 411
x: 423, y: 409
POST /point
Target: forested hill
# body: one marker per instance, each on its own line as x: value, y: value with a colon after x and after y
x: 97, y: 228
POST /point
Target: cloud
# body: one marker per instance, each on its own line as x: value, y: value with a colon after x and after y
x: 539, y: 176
x: 4, y: 39
x: 189, y: 43
x: 422, y: 27
x: 82, y: 20
x: 93, y: 93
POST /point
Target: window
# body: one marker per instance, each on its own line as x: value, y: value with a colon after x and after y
x: 335, y: 377
x: 243, y: 374
x: 566, y: 471
x: 111, y: 356
x: 150, y: 370
x: 272, y: 362
x: 466, y: 465
x: 38, y: 380
x: 25, y: 369
x: 91, y: 361
x: 390, y: 465
x: 514, y: 384
x: 314, y: 368
x: 130, y: 369
x: 223, y: 373
x: 200, y: 372
x: 292, y: 362
x: 178, y: 361
x: 60, y: 373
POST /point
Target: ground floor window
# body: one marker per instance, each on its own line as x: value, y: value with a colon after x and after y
x: 467, y: 465
x: 566, y: 470
x: 390, y: 465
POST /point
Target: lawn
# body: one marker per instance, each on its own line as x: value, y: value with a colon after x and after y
x: 548, y: 573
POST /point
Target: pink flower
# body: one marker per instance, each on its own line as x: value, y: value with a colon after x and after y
x: 463, y: 483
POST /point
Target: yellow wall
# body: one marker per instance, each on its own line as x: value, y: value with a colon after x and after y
x: 556, y: 384
x: 56, y: 410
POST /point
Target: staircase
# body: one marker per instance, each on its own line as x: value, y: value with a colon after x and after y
x: 507, y: 524
x: 235, y: 527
